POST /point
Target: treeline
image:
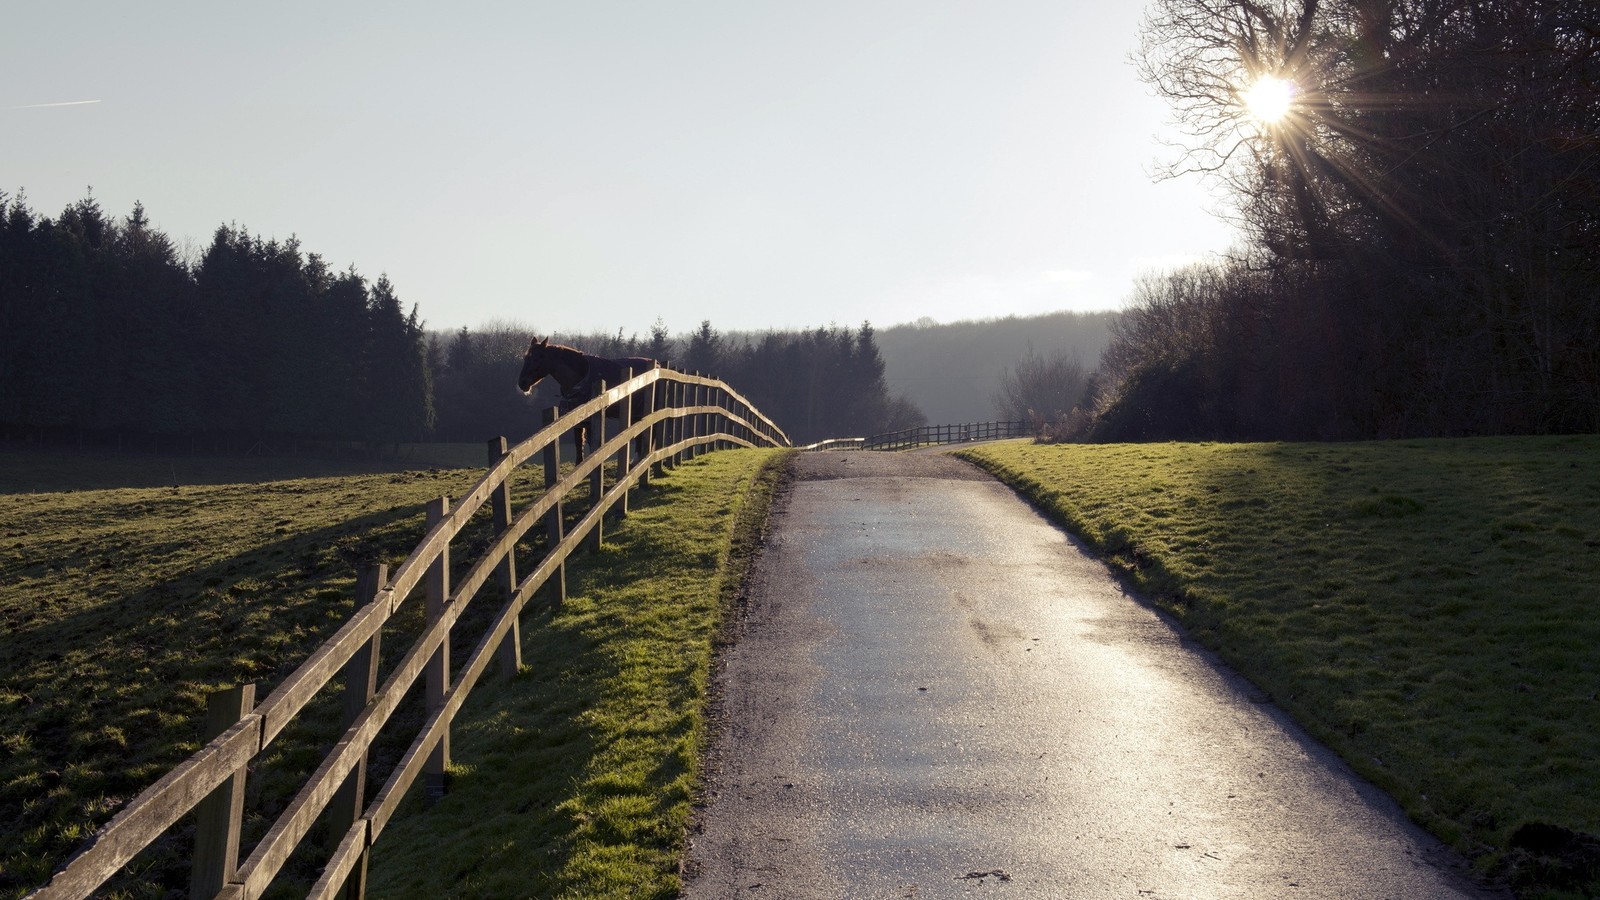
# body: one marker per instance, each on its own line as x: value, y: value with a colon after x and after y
x: 824, y: 382
x: 105, y: 331
x: 1423, y: 227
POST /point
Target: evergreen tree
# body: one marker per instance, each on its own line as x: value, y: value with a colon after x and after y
x: 660, y: 345
x: 704, y: 353
x: 399, y: 400
x: 103, y: 329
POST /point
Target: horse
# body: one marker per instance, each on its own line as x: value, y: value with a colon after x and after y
x: 578, y: 374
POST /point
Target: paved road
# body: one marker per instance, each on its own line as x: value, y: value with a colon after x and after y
x: 935, y: 693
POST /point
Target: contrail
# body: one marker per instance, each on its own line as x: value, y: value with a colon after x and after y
x: 65, y: 103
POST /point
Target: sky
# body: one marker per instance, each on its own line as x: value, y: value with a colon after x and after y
x: 595, y: 165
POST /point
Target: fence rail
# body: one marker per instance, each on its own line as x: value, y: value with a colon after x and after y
x: 928, y: 434
x: 681, y: 417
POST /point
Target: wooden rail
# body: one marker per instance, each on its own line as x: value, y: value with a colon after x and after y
x: 681, y: 416
x: 928, y: 434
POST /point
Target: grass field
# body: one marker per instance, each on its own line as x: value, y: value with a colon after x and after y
x: 577, y: 776
x: 123, y: 607
x: 1430, y: 609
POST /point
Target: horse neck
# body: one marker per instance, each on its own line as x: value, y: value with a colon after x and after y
x: 568, y: 368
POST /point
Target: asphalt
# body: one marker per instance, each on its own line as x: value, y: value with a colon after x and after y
x: 934, y: 692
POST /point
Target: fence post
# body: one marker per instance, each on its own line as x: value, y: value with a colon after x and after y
x: 648, y: 439
x: 555, y: 528
x: 679, y: 393
x: 713, y: 420
x: 438, y: 584
x: 691, y: 396
x: 221, y: 814
x: 723, y: 400
x: 714, y: 423
x: 625, y: 453
x: 660, y: 434
x: 509, y: 653
x: 360, y: 683
x: 697, y: 428
x: 597, y: 478
x: 686, y: 423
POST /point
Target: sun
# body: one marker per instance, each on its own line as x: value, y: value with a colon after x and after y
x: 1269, y: 99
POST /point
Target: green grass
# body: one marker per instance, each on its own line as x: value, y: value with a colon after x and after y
x: 575, y: 778
x: 121, y: 608
x: 1427, y: 608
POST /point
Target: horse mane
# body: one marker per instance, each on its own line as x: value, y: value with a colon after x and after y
x: 562, y: 347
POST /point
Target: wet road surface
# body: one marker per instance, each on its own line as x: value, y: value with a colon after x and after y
x: 935, y: 693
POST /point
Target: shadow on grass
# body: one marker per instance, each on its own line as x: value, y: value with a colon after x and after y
x: 526, y: 747
x: 575, y: 777
x: 102, y: 702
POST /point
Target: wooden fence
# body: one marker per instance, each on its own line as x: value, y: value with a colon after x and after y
x: 682, y: 416
x: 928, y: 434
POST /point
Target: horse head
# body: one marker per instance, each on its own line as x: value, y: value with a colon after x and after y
x: 535, y: 365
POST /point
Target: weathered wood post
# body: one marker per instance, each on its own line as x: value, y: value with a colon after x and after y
x: 555, y: 528
x: 625, y: 452
x: 597, y: 478
x: 719, y: 399
x: 708, y: 421
x: 711, y: 420
x: 360, y: 684
x: 647, y: 441
x: 660, y: 434
x: 509, y: 654
x: 690, y: 392
x: 697, y: 421
x: 691, y: 422
x: 680, y: 395
x: 438, y: 590
x: 221, y: 814
x: 680, y: 423
x: 686, y: 425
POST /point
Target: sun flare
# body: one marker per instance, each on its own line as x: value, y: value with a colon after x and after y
x: 1269, y: 99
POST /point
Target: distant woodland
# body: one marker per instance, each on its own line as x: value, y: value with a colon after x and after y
x: 820, y: 383
x: 108, y: 334
x: 1422, y: 252
x: 954, y: 371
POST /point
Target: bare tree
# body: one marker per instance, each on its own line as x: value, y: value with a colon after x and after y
x: 1429, y: 203
x: 1041, y: 389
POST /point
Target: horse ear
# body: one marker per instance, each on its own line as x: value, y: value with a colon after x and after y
x: 545, y: 342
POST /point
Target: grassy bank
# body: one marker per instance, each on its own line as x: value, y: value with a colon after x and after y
x: 1427, y: 608
x: 574, y: 779
x: 123, y: 607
